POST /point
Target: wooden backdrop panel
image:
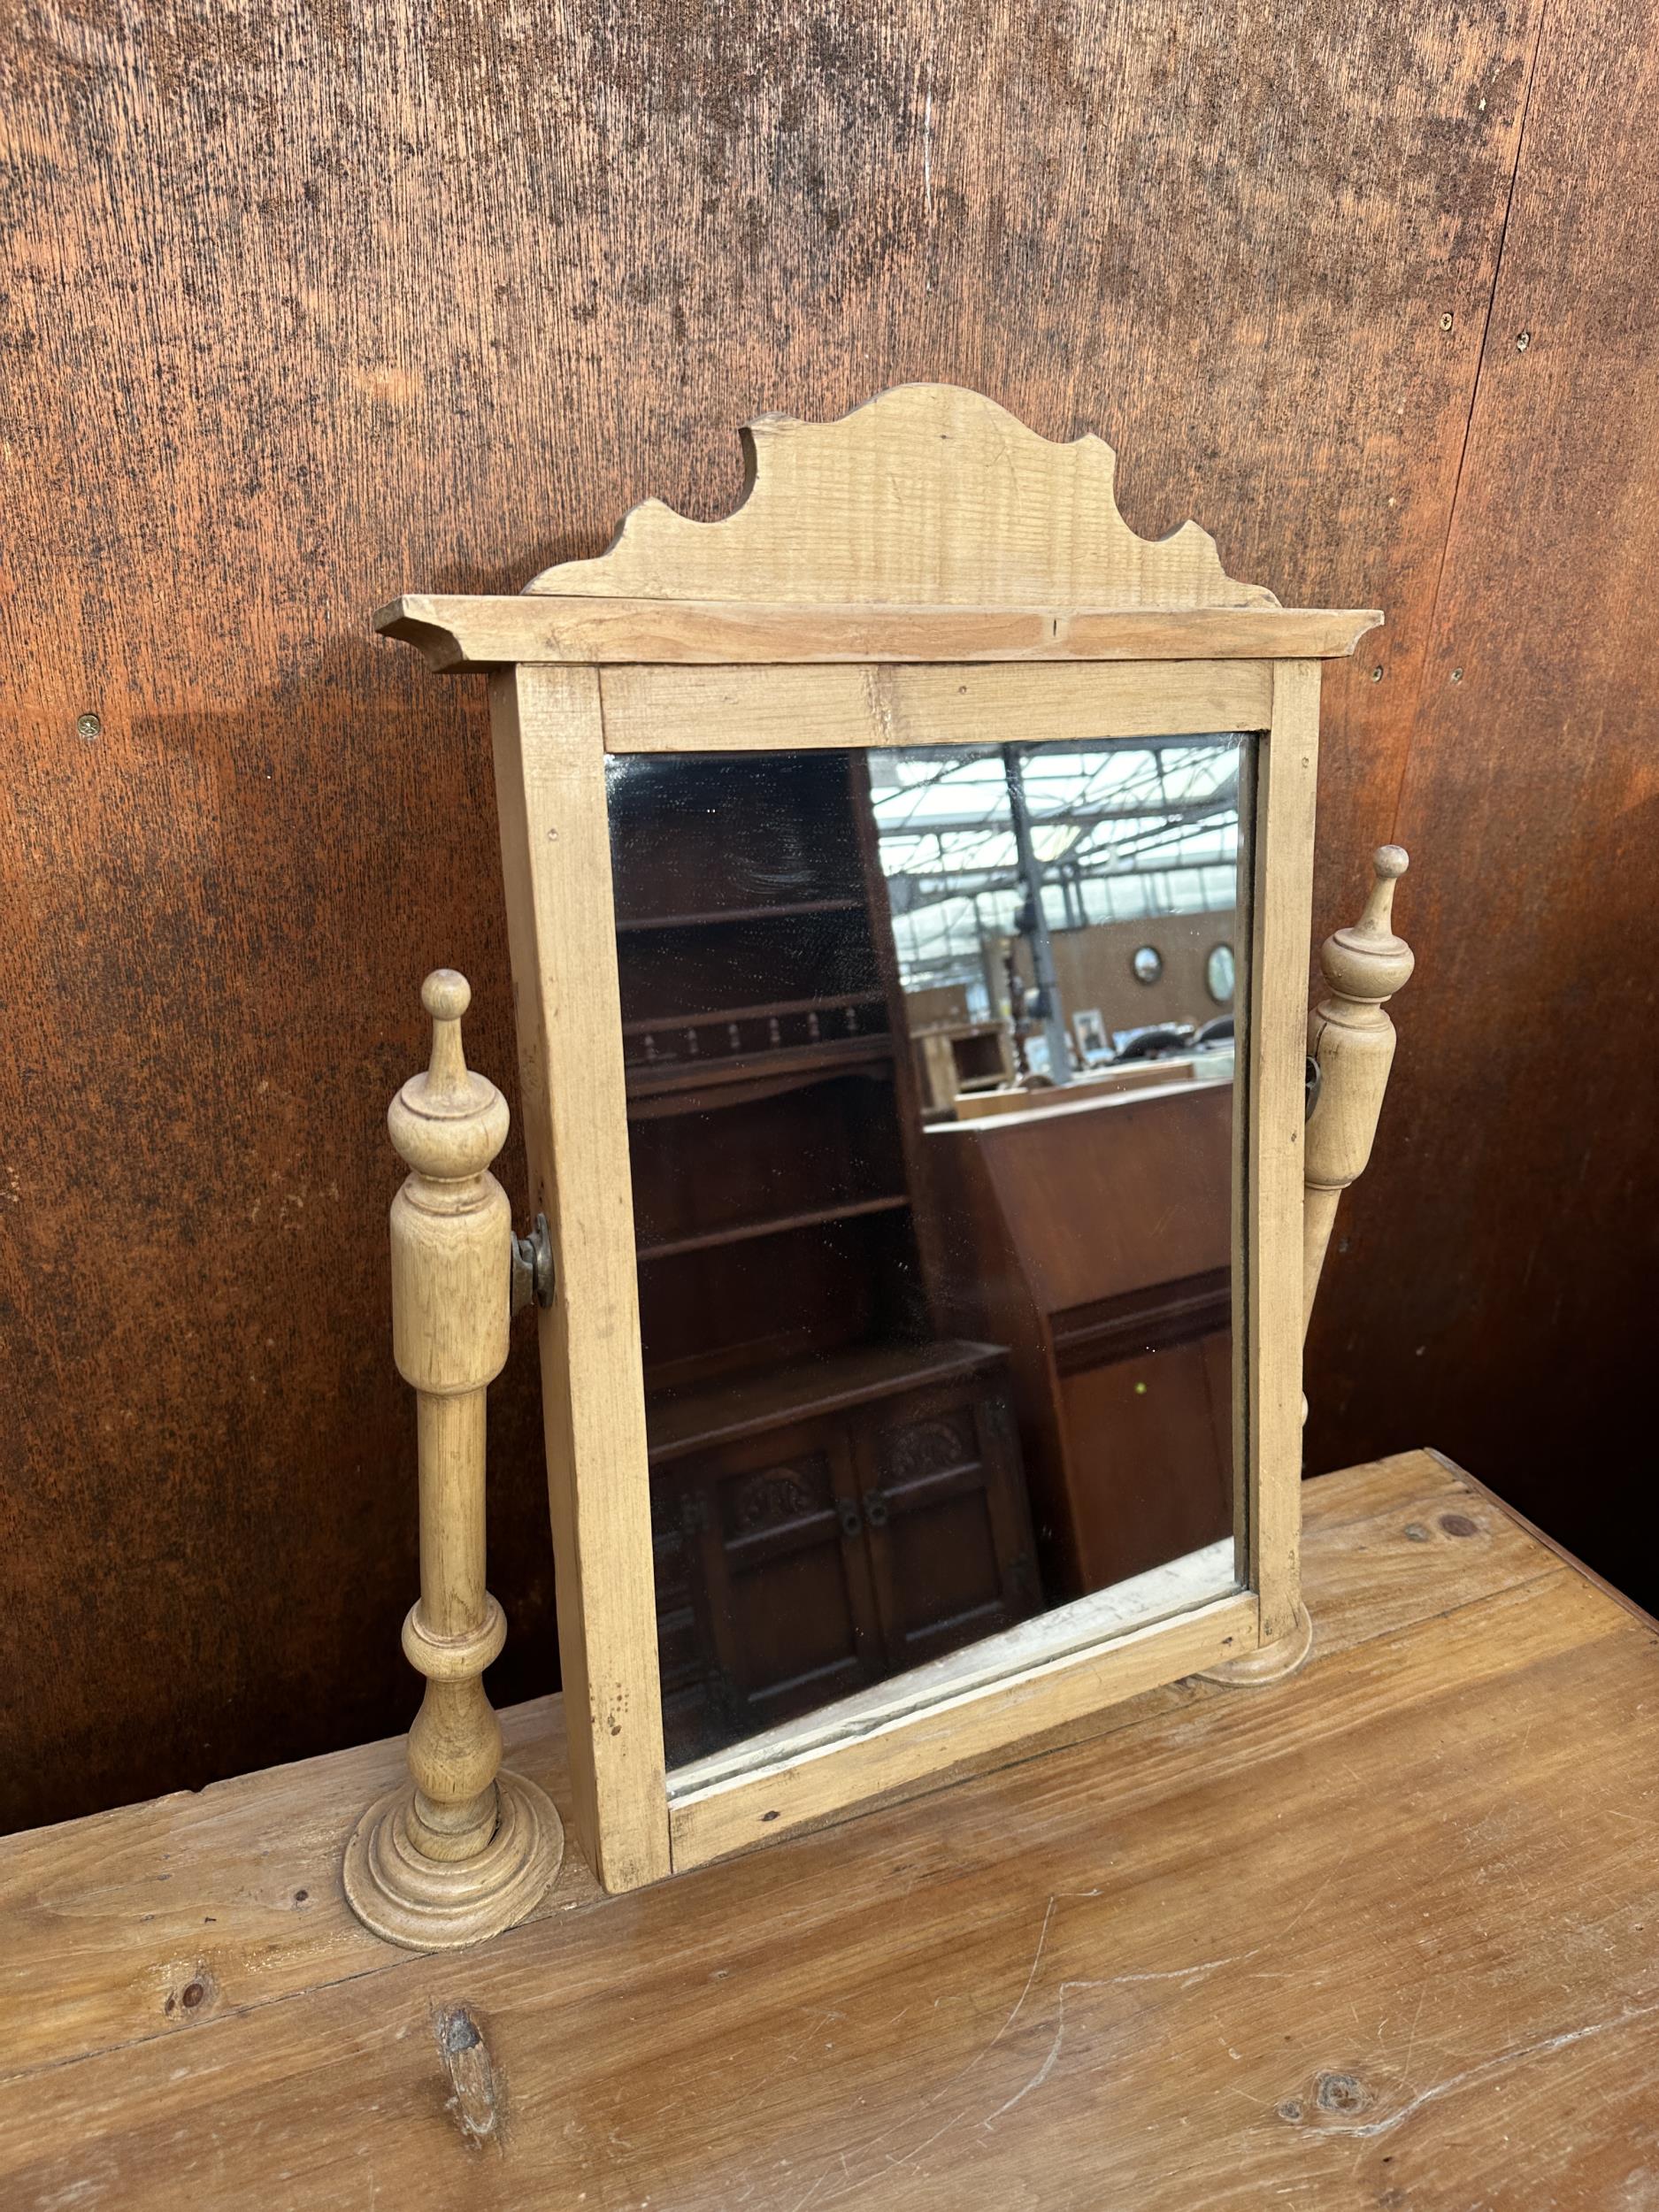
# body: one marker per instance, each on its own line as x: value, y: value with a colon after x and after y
x: 312, y: 306
x: 1498, y: 1285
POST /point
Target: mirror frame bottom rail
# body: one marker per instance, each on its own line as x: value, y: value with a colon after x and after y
x: 1021, y: 1686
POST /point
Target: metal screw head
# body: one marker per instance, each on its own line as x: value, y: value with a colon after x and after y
x: 1457, y: 675
x: 89, y: 726
x: 1446, y: 322
x: 532, y: 1276
x: 1376, y: 675
x: 1523, y: 339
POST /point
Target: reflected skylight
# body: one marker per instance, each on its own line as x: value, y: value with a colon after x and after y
x: 1122, y: 828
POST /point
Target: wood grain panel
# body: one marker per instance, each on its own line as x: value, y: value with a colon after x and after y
x: 1493, y: 1277
x: 678, y: 710
x: 310, y: 307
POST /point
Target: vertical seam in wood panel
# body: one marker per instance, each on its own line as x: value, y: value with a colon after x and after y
x: 1469, y: 421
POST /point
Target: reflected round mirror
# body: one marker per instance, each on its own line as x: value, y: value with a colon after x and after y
x: 1218, y: 973
x: 1148, y: 964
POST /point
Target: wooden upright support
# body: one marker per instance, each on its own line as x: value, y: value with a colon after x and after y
x: 1352, y: 1042
x: 461, y: 1850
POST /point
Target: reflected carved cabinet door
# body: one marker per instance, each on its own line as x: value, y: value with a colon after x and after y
x: 801, y: 1562
x: 949, y: 1526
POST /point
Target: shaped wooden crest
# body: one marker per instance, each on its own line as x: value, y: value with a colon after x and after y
x: 930, y: 495
x: 928, y: 525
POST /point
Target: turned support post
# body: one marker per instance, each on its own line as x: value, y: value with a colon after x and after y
x: 461, y: 1849
x: 1352, y: 1040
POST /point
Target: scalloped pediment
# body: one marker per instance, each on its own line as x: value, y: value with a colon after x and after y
x: 930, y: 495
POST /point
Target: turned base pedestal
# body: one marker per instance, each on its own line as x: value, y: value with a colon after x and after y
x: 437, y: 1905
x: 1269, y: 1662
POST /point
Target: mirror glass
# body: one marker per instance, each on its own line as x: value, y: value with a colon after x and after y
x: 931, y: 1102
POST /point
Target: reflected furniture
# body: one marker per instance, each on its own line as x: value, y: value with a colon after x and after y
x: 1094, y: 1239
x: 955, y: 1050
x: 829, y: 1524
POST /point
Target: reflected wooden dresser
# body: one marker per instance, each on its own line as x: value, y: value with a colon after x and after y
x: 1090, y: 1235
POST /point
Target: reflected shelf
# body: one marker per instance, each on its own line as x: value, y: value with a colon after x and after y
x: 680, y: 1085
x: 741, y: 1233
x: 772, y: 1010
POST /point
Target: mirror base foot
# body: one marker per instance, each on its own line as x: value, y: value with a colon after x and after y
x: 428, y: 1904
x: 1269, y: 1662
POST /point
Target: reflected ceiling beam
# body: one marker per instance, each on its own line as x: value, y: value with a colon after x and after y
x: 1150, y: 808
x: 1201, y: 746
x: 928, y: 889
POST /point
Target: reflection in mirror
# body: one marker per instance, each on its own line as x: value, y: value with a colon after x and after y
x: 930, y: 1073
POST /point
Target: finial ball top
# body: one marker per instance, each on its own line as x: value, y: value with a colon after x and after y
x: 1390, y: 860
x: 446, y: 995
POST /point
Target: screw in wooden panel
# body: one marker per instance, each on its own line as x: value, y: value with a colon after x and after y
x: 1457, y: 675
x: 89, y: 726
x: 1376, y: 675
x: 1446, y: 322
x: 1523, y: 338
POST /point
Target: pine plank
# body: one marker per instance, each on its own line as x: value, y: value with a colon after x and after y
x: 453, y: 633
x: 694, y: 711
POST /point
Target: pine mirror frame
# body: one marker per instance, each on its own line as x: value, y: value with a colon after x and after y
x: 925, y: 571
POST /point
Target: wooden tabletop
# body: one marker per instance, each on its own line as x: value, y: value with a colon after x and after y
x: 1385, y: 1935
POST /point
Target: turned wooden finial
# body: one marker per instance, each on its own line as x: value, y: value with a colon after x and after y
x: 461, y: 1849
x: 1368, y: 962
x: 1353, y: 1040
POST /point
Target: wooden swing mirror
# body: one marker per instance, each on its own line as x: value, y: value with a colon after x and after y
x: 908, y: 882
